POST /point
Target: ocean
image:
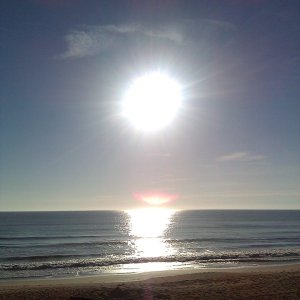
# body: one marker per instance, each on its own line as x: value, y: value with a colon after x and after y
x: 85, y: 243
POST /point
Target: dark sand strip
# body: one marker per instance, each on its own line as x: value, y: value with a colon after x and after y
x: 280, y: 282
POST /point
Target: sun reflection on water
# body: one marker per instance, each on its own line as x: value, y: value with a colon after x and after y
x: 147, y: 227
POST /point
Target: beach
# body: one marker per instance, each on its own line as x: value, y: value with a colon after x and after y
x: 125, y: 255
x: 150, y: 149
x: 270, y: 282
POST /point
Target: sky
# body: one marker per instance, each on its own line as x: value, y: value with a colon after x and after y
x: 66, y: 64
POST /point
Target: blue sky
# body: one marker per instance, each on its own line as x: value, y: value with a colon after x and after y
x: 66, y: 65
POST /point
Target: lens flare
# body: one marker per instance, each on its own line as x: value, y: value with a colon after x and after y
x: 155, y: 199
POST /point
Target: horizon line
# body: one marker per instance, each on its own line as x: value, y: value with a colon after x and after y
x: 178, y: 209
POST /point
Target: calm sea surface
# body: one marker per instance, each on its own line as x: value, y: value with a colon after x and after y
x: 66, y: 244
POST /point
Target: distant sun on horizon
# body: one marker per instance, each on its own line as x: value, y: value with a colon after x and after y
x: 152, y: 101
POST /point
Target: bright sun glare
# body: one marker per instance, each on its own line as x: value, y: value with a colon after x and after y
x: 148, y: 226
x: 152, y: 101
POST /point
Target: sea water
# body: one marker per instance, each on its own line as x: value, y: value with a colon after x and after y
x: 68, y: 244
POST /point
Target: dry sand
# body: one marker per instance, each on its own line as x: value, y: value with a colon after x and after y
x: 278, y: 282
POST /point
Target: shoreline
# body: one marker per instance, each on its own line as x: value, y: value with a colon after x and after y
x: 140, y: 276
x: 119, y: 277
x: 283, y: 281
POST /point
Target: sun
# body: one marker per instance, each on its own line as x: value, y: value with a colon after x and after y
x: 152, y: 101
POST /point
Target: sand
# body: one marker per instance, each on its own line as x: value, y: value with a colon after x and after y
x: 277, y: 282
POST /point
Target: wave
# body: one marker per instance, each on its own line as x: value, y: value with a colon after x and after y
x: 62, y: 245
x: 99, y: 255
x: 105, y: 262
x: 49, y: 237
x: 48, y: 257
x: 15, y: 238
x: 230, y: 240
x: 51, y: 241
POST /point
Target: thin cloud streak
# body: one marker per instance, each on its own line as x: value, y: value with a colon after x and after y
x: 244, y: 194
x: 241, y: 156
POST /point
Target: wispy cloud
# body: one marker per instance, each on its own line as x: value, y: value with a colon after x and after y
x: 90, y: 40
x: 241, y: 156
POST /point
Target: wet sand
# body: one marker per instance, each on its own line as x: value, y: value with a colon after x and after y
x: 277, y: 282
